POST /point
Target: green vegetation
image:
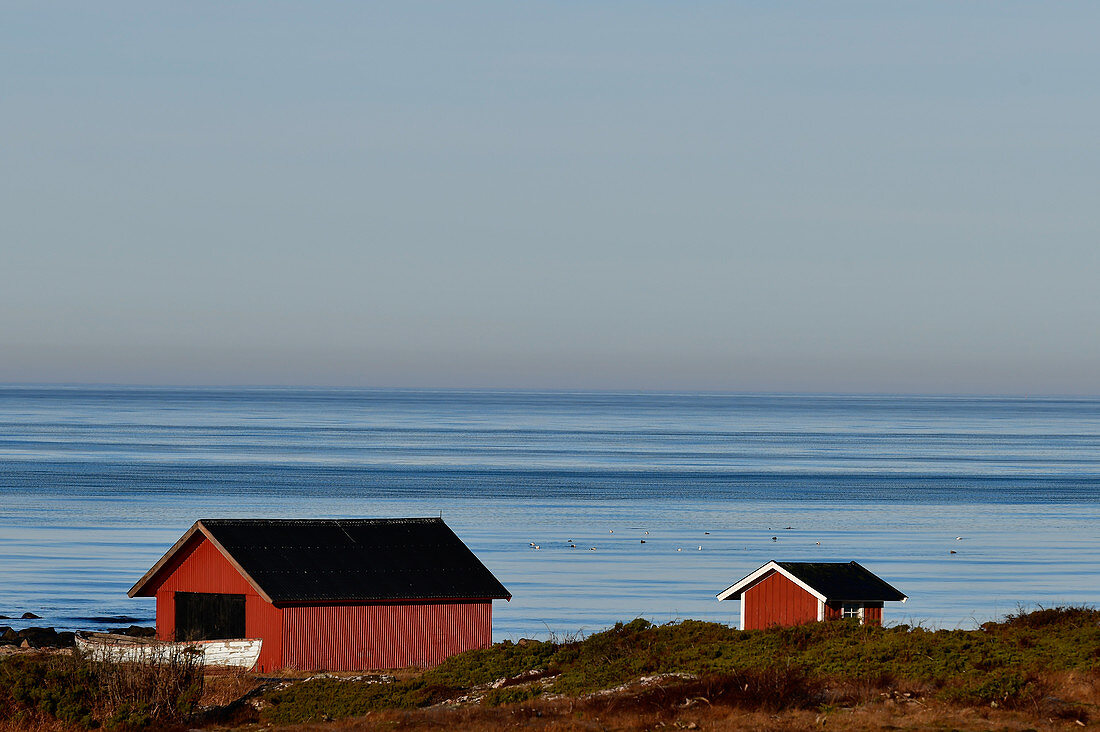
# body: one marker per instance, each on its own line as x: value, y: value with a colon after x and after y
x: 779, y: 668
x: 1017, y: 664
x: 84, y: 694
x: 51, y: 687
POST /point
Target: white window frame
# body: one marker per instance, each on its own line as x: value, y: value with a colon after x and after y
x: 858, y: 606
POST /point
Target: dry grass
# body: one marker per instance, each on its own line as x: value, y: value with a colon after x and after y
x: 33, y: 723
x: 223, y: 687
x: 706, y: 704
x: 166, y: 687
x: 767, y: 704
x: 563, y: 716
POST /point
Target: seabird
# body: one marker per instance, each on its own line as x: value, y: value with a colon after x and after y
x: 643, y: 541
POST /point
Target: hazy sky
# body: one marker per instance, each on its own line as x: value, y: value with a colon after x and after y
x: 738, y: 196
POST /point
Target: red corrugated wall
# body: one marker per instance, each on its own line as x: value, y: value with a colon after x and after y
x: 775, y: 600
x: 353, y: 637
x: 200, y: 567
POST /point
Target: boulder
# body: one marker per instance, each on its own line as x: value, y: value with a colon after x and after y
x: 39, y: 638
x: 30, y: 616
x: 66, y: 639
x: 135, y: 631
x: 10, y: 636
x: 4, y: 617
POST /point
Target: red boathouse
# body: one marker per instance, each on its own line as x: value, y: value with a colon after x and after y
x: 338, y: 595
x: 791, y: 593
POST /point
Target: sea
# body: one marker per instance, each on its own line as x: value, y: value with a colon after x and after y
x: 973, y: 507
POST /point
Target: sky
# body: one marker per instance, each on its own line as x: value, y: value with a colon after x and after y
x: 738, y: 196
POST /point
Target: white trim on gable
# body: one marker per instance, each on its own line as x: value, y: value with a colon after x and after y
x: 736, y: 590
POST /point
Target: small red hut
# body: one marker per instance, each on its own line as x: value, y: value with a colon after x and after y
x: 791, y: 593
x: 347, y: 594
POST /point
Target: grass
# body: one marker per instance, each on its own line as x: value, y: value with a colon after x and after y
x: 1041, y: 666
x: 1008, y: 664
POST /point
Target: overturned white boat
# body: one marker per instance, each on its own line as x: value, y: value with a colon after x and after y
x: 235, y: 652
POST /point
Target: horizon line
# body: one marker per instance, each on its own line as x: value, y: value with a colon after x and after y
x: 553, y: 390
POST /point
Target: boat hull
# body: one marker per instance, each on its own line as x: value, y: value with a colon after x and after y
x: 236, y: 652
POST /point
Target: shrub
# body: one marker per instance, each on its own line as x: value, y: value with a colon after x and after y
x: 1006, y: 687
x: 52, y: 686
x: 85, y: 693
x: 511, y: 695
x: 1076, y: 616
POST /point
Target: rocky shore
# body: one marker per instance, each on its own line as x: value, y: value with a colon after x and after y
x: 48, y: 637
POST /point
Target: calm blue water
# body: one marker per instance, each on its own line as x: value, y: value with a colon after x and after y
x: 96, y: 483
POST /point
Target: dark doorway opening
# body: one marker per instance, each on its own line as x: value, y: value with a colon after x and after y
x: 209, y: 616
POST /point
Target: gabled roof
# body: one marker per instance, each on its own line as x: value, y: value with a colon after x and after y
x: 341, y: 560
x: 827, y: 581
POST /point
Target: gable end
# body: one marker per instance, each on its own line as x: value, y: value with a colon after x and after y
x: 151, y: 581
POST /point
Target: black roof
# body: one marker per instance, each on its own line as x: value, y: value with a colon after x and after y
x: 351, y: 560
x: 843, y: 581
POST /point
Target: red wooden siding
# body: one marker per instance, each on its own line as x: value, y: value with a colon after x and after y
x: 775, y: 600
x: 832, y: 611
x: 200, y: 567
x: 353, y: 637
